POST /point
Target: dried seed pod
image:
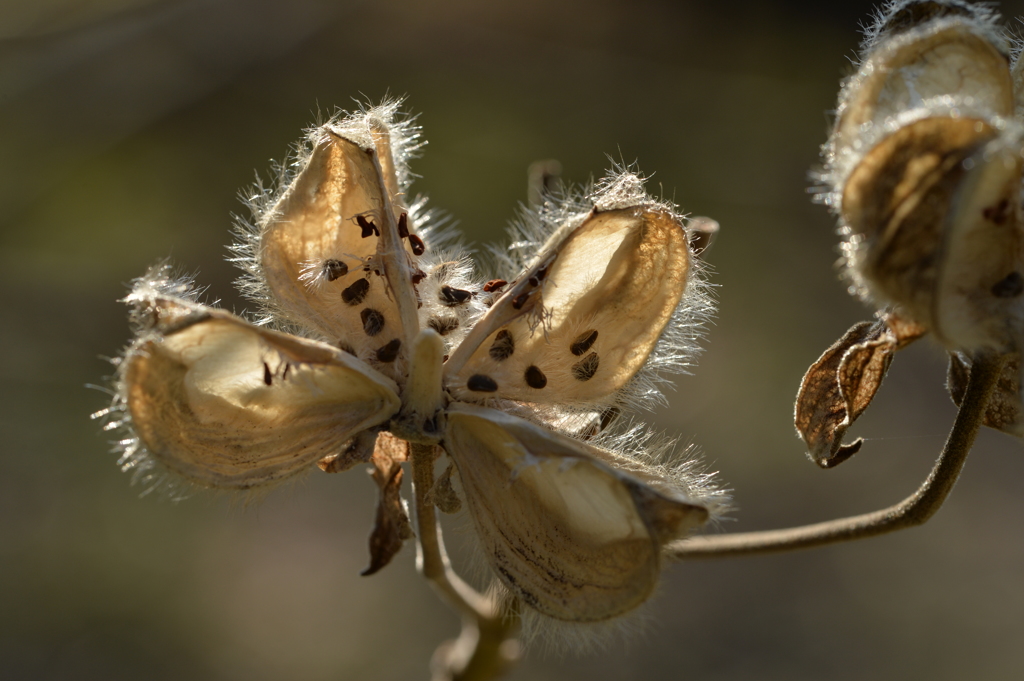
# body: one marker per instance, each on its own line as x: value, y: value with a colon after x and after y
x: 616, y: 277
x: 574, y: 529
x: 899, y: 16
x: 924, y: 170
x: 570, y: 535
x: 202, y: 406
x: 924, y: 167
x: 932, y: 214
x: 342, y: 203
x: 919, y: 52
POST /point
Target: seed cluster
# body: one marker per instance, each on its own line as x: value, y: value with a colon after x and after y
x: 503, y: 347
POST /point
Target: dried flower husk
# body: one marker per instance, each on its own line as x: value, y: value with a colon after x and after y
x: 391, y: 526
x: 838, y: 387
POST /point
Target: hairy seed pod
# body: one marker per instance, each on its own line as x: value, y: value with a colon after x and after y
x: 402, y: 355
x: 226, y: 404
x: 924, y: 167
x: 934, y: 226
x: 946, y: 59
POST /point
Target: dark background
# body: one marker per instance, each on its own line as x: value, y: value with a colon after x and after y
x: 127, y: 128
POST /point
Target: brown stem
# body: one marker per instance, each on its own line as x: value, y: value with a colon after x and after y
x: 914, y: 510
x: 486, y: 647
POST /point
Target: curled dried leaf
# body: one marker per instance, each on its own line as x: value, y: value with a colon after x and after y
x: 837, y: 388
x: 1004, y: 407
x: 391, y: 526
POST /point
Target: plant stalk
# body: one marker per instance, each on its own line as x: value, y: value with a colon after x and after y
x: 914, y: 510
x: 486, y: 648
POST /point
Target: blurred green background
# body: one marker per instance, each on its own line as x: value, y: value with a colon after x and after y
x: 127, y: 128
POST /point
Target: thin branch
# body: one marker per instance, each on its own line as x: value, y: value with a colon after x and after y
x: 486, y: 647
x: 914, y: 510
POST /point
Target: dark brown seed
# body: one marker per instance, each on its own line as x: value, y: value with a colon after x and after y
x: 418, y: 276
x: 355, y: 293
x: 373, y: 321
x: 403, y: 226
x: 520, y: 300
x: 268, y: 378
x: 1010, y: 286
x: 389, y: 352
x: 538, y: 276
x: 334, y: 269
x: 481, y: 384
x: 494, y: 285
x: 503, y: 346
x: 535, y: 378
x: 454, y: 296
x: 369, y: 229
x: 997, y: 213
x: 418, y: 247
x: 583, y: 342
x: 608, y: 416
x: 585, y: 369
x: 443, y: 325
